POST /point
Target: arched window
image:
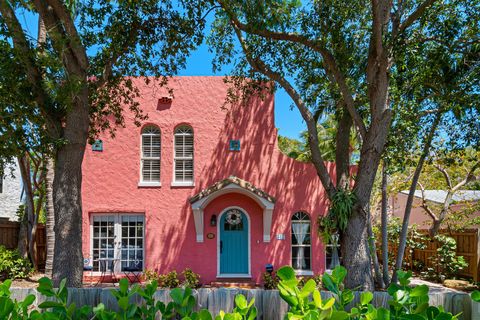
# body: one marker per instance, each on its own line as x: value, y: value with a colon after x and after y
x: 151, y: 151
x: 183, y: 156
x: 301, y: 241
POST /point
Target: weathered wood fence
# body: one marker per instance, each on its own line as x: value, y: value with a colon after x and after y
x: 268, y: 302
x: 9, y: 238
x: 467, y: 246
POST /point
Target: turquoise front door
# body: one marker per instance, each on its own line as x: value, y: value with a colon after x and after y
x: 234, y: 243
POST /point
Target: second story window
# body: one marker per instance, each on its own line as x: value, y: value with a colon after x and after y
x: 151, y: 150
x: 183, y: 156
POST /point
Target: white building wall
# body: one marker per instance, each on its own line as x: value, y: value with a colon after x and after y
x: 11, y: 192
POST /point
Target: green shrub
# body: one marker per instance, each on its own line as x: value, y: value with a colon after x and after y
x: 151, y: 275
x: 169, y: 280
x: 447, y: 263
x: 12, y: 265
x: 270, y: 280
x: 190, y: 278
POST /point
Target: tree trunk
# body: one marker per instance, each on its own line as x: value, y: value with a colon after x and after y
x: 22, y: 245
x: 29, y: 220
x: 67, y: 197
x: 386, y: 276
x: 433, y: 231
x: 50, y: 217
x: 408, y: 206
x: 355, y: 241
x: 373, y: 254
x: 356, y: 257
x: 342, y: 150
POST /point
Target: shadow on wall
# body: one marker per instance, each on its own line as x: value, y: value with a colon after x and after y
x: 295, y: 185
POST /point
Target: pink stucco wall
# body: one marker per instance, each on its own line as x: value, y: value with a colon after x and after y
x: 111, y: 177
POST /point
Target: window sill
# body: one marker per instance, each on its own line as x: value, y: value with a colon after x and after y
x: 304, y: 272
x: 182, y: 184
x: 143, y: 184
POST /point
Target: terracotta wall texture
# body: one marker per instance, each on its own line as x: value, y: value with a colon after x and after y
x: 111, y: 178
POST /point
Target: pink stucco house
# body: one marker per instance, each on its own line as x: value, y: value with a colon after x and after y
x: 201, y: 185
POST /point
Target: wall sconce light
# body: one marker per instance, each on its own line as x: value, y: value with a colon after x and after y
x: 213, y: 220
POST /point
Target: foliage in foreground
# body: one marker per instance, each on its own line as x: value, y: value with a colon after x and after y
x: 305, y: 303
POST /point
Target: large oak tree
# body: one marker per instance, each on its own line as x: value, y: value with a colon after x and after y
x: 76, y: 84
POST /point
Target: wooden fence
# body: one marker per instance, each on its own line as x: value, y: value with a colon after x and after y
x: 268, y: 302
x: 9, y: 238
x: 467, y: 246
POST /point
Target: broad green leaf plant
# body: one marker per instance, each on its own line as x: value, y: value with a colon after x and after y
x: 305, y: 303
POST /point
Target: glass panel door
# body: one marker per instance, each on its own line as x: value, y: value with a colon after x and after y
x: 103, y: 242
x: 118, y: 240
x: 132, y: 241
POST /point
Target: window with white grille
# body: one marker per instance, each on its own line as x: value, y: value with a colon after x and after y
x: 301, y: 241
x: 183, y: 155
x: 151, y: 151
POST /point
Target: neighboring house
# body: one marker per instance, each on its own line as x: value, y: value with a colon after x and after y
x: 201, y: 185
x: 418, y: 215
x: 10, y: 192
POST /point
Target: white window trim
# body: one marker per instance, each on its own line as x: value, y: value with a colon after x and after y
x: 176, y: 183
x: 141, y: 182
x: 149, y: 184
x: 182, y: 184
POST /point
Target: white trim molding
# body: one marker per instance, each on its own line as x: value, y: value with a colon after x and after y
x: 149, y: 184
x: 304, y: 272
x: 182, y: 184
x: 199, y: 205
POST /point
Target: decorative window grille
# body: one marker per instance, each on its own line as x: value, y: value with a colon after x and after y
x: 301, y: 241
x: 183, y: 155
x: 151, y: 152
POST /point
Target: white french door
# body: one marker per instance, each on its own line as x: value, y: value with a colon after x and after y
x: 119, y: 238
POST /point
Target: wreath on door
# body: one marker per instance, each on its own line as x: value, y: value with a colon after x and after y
x: 234, y: 217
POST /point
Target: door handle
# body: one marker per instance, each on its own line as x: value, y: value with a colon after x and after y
x: 221, y: 246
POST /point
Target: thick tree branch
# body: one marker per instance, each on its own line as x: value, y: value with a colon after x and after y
x: 21, y: 44
x: 316, y: 45
x: 66, y: 48
x: 469, y: 178
x: 27, y: 56
x: 445, y: 175
x: 415, y: 15
x: 425, y: 204
x: 65, y: 16
x: 259, y: 66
